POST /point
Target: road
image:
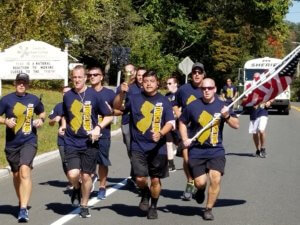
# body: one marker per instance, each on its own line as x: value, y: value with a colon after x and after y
x: 254, y: 191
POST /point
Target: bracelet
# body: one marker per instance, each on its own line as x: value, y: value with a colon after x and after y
x: 227, y: 118
x: 98, y: 125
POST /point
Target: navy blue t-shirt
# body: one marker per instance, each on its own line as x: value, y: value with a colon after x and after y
x: 258, y: 112
x: 58, y: 111
x: 229, y: 92
x: 22, y: 109
x: 198, y: 114
x: 186, y: 94
x: 108, y: 96
x: 172, y: 98
x: 148, y: 113
x: 133, y: 89
x: 81, y: 111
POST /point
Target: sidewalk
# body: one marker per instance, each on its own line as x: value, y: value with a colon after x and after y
x: 45, y: 157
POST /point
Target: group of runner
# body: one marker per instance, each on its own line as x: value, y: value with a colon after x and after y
x: 151, y: 125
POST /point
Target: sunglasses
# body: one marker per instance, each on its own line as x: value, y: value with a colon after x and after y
x: 197, y: 72
x: 93, y: 74
x: 207, y: 88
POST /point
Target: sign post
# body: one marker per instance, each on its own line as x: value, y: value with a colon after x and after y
x: 186, y: 67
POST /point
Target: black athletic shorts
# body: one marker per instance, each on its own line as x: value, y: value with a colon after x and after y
x: 103, y: 152
x: 149, y: 164
x: 22, y: 155
x: 84, y: 160
x: 199, y: 167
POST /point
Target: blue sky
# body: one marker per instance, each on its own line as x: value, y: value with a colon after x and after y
x: 294, y: 13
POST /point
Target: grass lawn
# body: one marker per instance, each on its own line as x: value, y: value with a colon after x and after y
x: 47, y: 135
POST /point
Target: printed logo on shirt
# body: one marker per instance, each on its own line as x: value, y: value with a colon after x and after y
x: 190, y: 99
x: 81, y: 118
x: 158, y: 110
x: 229, y: 93
x: 144, y: 124
x: 26, y: 129
x: 19, y: 110
x: 212, y: 132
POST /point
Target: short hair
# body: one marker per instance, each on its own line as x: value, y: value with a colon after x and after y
x: 79, y: 67
x: 96, y: 68
x: 174, y: 79
x: 150, y: 73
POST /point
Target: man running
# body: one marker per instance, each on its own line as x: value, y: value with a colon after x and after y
x: 206, y: 153
x: 19, y: 108
x: 151, y: 118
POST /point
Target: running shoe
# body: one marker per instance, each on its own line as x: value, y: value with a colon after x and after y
x: 263, y: 153
x: 23, y: 215
x: 172, y: 168
x: 152, y: 213
x: 257, y: 153
x: 101, y: 193
x: 84, y: 212
x: 207, y: 215
x: 189, y: 190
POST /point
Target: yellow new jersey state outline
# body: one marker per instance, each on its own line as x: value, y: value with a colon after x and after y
x: 18, y: 111
x: 204, y: 118
x: 75, y: 109
x: 144, y: 124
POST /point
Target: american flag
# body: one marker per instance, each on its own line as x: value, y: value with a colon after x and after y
x: 277, y: 84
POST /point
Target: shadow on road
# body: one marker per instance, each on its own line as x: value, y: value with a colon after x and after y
x: 240, y: 154
x: 181, y: 210
x: 55, y: 183
x: 60, y: 208
x: 229, y: 202
x: 9, y: 209
x: 174, y: 194
x: 124, y: 210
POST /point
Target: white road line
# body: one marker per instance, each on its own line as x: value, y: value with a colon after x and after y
x: 91, y: 202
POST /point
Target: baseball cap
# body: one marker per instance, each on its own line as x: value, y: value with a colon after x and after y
x: 198, y: 65
x: 22, y: 76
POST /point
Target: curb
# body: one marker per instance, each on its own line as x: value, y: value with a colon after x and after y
x: 40, y: 159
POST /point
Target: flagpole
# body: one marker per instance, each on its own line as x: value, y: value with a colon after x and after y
x: 265, y: 77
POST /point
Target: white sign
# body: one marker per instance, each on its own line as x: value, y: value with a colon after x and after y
x: 36, y: 58
x: 186, y: 67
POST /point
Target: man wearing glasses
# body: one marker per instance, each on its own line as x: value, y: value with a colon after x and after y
x: 206, y: 153
x: 19, y: 108
x: 95, y: 75
x: 134, y: 79
x: 186, y: 94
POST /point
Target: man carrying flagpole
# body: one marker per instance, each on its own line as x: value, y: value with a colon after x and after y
x: 206, y: 153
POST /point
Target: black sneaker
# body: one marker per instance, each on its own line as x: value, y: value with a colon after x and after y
x: 257, y: 153
x: 152, y: 213
x: 144, y: 203
x: 84, y: 212
x: 172, y: 168
x: 208, y: 214
x: 263, y: 153
x: 200, y: 196
x: 75, y: 197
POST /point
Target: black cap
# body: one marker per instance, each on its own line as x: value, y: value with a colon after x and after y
x: 198, y: 65
x: 22, y: 76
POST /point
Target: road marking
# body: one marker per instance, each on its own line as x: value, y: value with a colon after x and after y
x: 91, y: 202
x: 295, y: 107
